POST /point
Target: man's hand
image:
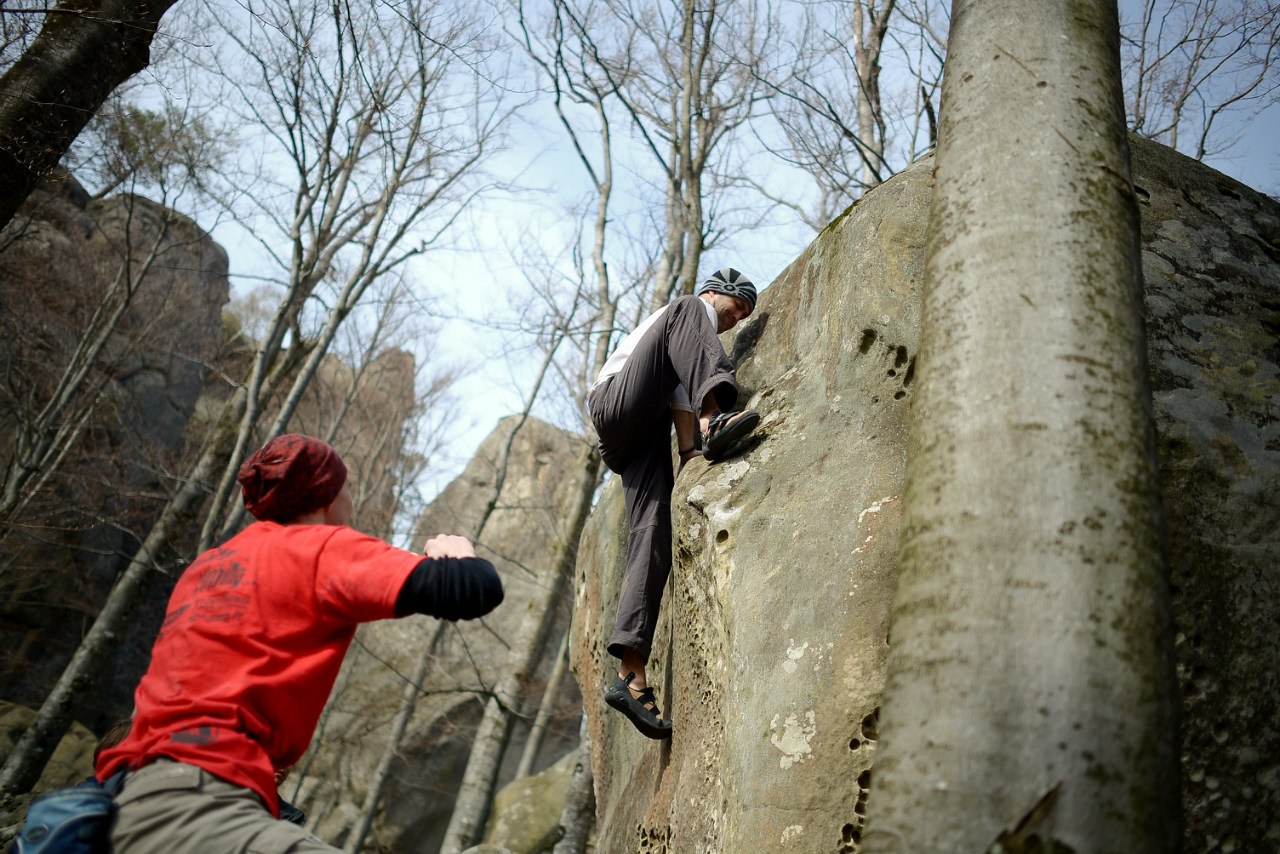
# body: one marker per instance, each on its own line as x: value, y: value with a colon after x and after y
x: 449, y: 545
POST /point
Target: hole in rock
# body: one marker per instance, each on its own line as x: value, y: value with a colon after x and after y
x: 871, y: 725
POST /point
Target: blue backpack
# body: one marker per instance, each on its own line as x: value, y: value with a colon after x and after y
x: 70, y: 821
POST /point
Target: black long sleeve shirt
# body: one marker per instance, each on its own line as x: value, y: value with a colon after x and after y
x: 451, y: 588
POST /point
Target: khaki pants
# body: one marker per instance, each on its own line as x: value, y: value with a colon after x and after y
x: 170, y: 808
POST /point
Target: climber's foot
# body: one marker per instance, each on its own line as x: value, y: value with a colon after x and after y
x: 724, y: 429
x: 640, y: 707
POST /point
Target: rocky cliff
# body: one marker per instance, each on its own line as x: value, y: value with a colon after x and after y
x: 771, y: 649
x: 64, y: 257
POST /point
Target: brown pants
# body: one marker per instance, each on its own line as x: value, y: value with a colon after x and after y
x: 632, y: 415
x: 171, y: 808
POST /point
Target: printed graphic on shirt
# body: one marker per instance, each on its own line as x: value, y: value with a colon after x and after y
x: 216, y: 592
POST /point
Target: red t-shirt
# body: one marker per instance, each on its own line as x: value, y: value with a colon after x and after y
x: 250, y: 647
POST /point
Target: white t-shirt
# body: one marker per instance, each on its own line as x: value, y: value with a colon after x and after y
x: 618, y: 358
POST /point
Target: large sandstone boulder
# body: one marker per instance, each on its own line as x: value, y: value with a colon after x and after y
x: 525, y: 818
x: 771, y: 648
x: 1211, y: 263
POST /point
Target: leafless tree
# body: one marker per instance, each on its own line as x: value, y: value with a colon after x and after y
x: 376, y: 110
x: 382, y: 147
x: 47, y: 429
x: 1197, y: 70
x: 837, y: 115
x: 545, y: 707
x: 139, y: 152
x: 579, y: 814
x: 83, y: 51
x: 680, y: 75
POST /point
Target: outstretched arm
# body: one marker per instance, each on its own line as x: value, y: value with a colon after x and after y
x: 451, y: 583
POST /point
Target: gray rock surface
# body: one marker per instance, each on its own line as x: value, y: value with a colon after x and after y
x: 1211, y: 262
x: 526, y: 812
x: 770, y: 651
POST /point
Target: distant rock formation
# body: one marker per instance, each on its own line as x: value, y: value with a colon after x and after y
x: 62, y: 254
x: 332, y: 781
x: 771, y: 649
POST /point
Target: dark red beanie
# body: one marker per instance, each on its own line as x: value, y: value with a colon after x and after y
x: 291, y: 475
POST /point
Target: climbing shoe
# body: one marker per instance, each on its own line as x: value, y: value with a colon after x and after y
x: 639, y: 706
x: 726, y: 428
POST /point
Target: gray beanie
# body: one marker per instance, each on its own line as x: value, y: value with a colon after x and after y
x: 730, y: 281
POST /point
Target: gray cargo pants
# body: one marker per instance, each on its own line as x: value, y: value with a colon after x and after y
x: 631, y: 412
x: 170, y: 807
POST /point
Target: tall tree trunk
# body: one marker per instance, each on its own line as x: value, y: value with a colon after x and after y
x: 539, y: 726
x: 83, y: 52
x: 868, y: 42
x: 579, y: 814
x: 1030, y: 683
x: 476, y: 791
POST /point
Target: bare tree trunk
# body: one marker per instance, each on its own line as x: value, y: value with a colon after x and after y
x: 579, y: 814
x: 539, y: 726
x: 686, y: 209
x: 378, y: 782
x: 1030, y: 701
x: 867, y: 45
x: 83, y: 52
x: 476, y: 791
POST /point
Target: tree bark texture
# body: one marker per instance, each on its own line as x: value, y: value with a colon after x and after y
x: 538, y: 729
x: 579, y: 814
x: 84, y: 51
x: 1030, y: 690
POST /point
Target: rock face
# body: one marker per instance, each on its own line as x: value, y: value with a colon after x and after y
x: 332, y: 781
x: 771, y: 647
x: 63, y: 256
x: 1211, y: 262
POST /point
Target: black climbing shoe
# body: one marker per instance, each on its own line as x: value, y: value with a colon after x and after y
x: 641, y: 709
x: 726, y: 428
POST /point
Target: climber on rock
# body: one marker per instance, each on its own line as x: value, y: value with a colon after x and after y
x: 671, y: 368
x: 254, y: 635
